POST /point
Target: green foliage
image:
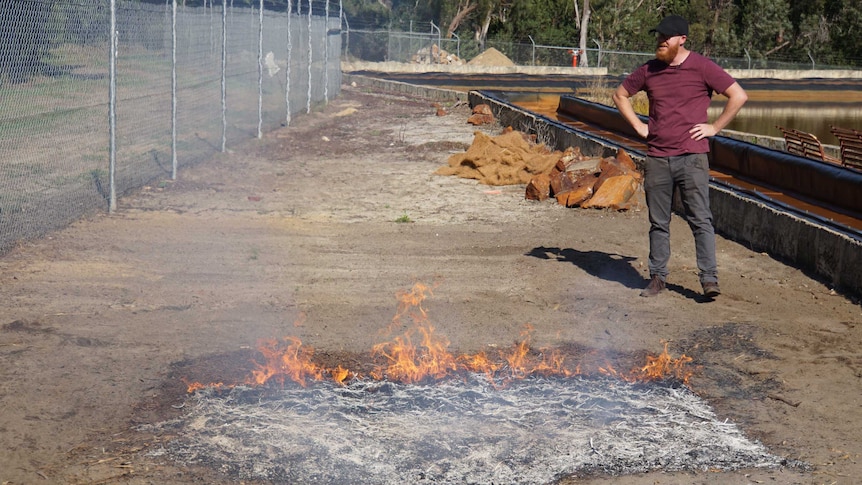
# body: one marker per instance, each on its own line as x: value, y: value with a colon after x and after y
x: 847, y: 30
x: 829, y: 31
x: 24, y: 38
x: 366, y: 15
x: 548, y: 22
x: 765, y: 26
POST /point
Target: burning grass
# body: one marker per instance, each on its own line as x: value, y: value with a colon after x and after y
x: 535, y: 430
x: 420, y: 355
x: 412, y: 411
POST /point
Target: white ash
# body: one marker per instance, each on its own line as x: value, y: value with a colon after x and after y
x: 531, y: 431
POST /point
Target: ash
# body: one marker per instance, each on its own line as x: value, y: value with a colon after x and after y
x: 535, y: 430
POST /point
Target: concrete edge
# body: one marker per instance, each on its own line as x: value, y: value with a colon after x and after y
x: 396, y: 87
x: 406, y: 67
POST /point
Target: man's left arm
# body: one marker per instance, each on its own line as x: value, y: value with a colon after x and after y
x: 736, y: 97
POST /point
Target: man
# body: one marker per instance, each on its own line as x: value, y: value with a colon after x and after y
x: 679, y: 84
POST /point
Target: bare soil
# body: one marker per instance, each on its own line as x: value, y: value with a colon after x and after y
x: 313, y: 230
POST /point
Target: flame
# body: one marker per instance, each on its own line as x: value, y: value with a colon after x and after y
x: 402, y: 360
x: 410, y: 304
x: 287, y: 359
x: 408, y: 363
x: 663, y: 365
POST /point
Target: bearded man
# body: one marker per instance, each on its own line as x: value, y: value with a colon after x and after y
x: 679, y: 84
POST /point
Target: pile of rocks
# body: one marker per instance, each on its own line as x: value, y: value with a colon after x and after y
x: 573, y: 179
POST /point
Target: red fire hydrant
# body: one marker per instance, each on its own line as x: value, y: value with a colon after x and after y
x: 576, y: 53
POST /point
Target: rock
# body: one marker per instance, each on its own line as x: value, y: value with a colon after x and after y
x: 480, y: 119
x: 482, y: 109
x: 613, y: 192
x: 539, y: 187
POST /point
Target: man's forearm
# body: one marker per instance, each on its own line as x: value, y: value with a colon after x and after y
x: 736, y: 98
x: 624, y: 105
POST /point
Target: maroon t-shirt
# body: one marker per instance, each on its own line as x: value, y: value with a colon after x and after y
x: 678, y: 99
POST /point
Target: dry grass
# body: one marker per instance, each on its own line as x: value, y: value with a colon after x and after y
x: 599, y: 91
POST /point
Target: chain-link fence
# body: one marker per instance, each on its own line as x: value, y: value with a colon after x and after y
x: 429, y: 47
x: 81, y: 123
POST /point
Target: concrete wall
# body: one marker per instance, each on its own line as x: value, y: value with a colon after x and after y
x: 794, y: 74
x: 356, y: 66
x: 395, y: 87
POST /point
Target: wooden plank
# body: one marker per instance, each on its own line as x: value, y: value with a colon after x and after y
x: 804, y: 144
x: 850, y: 141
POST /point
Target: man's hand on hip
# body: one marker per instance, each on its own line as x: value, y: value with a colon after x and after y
x: 702, y: 130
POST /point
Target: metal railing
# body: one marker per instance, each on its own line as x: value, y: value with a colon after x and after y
x: 82, y: 122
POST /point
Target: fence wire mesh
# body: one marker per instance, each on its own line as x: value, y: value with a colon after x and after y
x: 394, y: 45
x: 239, y: 71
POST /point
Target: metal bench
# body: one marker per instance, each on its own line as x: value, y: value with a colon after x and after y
x: 851, y: 146
x: 804, y: 144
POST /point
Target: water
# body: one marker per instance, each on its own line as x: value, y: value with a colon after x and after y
x: 816, y: 118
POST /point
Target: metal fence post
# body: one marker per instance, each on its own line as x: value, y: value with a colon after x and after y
x: 346, y: 36
x: 223, y: 76
x: 174, y: 90
x: 310, y: 61
x: 289, y: 52
x: 599, y: 54
x: 260, y: 72
x: 340, y: 29
x: 326, y: 55
x: 112, y: 110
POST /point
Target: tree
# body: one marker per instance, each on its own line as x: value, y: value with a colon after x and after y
x: 765, y: 26
x: 846, y: 28
x: 624, y: 24
x: 464, y: 8
x: 583, y: 22
x: 488, y: 12
x: 24, y: 38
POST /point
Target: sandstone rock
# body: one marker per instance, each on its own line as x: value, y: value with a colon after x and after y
x: 480, y: 119
x: 613, y: 192
x: 482, y: 109
x: 576, y: 197
x: 539, y: 187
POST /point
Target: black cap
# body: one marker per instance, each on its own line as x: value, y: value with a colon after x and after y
x: 672, y: 25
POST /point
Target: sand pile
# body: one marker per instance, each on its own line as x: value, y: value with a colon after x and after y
x: 491, y: 57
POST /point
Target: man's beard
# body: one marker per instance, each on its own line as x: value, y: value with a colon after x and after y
x: 667, y: 56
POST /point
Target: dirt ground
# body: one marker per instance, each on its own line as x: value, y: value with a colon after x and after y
x: 313, y: 230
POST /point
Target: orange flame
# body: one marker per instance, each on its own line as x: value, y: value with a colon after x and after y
x: 401, y: 360
x: 409, y: 364
x: 289, y: 361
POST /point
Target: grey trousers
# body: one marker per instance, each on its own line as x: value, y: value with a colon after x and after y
x: 690, y: 174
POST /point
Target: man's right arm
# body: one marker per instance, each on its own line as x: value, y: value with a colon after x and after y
x: 622, y: 99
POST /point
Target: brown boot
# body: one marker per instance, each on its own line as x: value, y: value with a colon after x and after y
x: 711, y: 289
x: 655, y: 286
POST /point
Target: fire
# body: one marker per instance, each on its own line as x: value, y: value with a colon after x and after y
x: 287, y: 359
x: 420, y: 355
x: 664, y: 365
x: 408, y: 363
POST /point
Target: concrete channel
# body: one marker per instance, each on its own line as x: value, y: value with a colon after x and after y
x: 825, y: 248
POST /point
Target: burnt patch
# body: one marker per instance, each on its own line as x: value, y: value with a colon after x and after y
x: 735, y: 338
x: 25, y: 326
